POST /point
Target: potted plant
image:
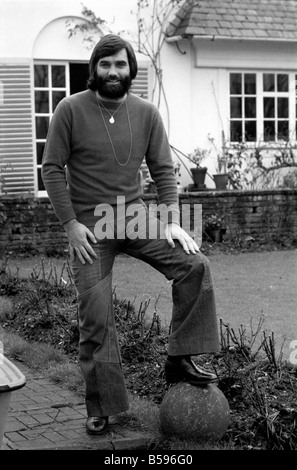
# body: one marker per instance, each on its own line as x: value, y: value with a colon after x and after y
x: 214, y: 227
x: 198, y: 172
x: 221, y: 177
x: 177, y: 173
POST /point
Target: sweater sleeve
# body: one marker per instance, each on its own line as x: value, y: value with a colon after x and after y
x: 160, y: 164
x: 55, y: 157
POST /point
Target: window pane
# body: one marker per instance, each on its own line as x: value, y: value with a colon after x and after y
x: 39, y: 150
x: 58, y: 76
x: 40, y: 180
x: 57, y: 96
x: 269, y: 131
x: 236, y: 111
x: 250, y: 107
x: 268, y: 82
x: 282, y: 82
x: 236, y: 131
x: 41, y: 76
x: 283, y: 107
x: 41, y: 102
x: 250, y: 131
x: 269, y: 108
x: 41, y: 127
x: 235, y: 84
x: 250, y: 84
x: 283, y: 130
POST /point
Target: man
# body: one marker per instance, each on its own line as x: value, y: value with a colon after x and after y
x: 101, y: 136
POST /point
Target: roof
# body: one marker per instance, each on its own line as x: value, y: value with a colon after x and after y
x: 236, y: 19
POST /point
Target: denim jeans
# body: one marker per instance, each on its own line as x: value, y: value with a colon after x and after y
x: 194, y: 328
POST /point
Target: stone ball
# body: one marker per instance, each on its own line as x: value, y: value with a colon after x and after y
x: 193, y: 412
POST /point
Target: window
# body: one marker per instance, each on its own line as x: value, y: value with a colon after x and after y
x: 243, y: 114
x: 49, y: 88
x: 52, y: 82
x: 275, y: 107
x: 260, y: 107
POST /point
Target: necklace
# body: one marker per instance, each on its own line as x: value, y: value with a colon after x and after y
x: 109, y: 136
x: 111, y: 119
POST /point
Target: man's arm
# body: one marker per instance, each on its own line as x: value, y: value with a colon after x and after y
x: 56, y: 155
x: 55, y: 158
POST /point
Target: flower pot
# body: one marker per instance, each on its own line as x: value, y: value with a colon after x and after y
x: 221, y: 181
x: 11, y: 378
x: 198, y: 175
x: 214, y: 235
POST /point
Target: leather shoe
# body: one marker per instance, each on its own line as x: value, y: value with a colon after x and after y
x: 186, y: 370
x: 97, y: 424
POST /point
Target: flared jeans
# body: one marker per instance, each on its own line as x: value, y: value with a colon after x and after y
x: 194, y: 328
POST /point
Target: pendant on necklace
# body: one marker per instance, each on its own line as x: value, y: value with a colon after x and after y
x: 111, y: 120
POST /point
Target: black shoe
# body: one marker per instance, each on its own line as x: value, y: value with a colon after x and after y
x: 186, y: 371
x: 96, y: 424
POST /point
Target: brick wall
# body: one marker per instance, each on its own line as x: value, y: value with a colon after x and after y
x: 265, y: 215
x: 29, y: 224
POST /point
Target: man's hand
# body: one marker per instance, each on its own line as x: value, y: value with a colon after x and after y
x: 175, y: 232
x: 78, y: 235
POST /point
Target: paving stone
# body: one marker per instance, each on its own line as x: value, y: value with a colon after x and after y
x: 16, y: 437
x: 14, y: 425
x: 44, y: 416
x: 54, y: 436
x: 28, y: 420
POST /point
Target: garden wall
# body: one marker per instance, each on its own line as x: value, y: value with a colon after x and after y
x: 29, y: 225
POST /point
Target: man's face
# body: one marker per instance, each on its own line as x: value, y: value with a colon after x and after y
x: 113, y: 75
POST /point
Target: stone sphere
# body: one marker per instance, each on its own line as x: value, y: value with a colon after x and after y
x: 194, y: 412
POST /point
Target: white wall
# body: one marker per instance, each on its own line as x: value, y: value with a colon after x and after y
x: 194, y: 96
x: 21, y: 21
x: 241, y: 54
x: 177, y: 80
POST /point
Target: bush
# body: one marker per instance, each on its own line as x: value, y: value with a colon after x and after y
x: 290, y: 180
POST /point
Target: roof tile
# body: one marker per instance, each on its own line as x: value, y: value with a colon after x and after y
x: 273, y: 19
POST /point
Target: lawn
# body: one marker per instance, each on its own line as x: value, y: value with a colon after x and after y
x: 248, y: 286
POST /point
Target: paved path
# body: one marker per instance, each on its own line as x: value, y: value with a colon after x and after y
x: 44, y: 416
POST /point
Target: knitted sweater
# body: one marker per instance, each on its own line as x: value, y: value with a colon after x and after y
x: 80, y: 168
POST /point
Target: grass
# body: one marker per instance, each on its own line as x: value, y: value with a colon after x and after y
x: 266, y: 281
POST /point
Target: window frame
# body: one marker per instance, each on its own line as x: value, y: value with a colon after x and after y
x: 49, y: 114
x: 291, y: 94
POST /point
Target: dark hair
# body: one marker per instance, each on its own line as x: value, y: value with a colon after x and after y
x: 107, y: 46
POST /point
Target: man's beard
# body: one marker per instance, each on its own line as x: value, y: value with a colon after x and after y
x: 108, y: 89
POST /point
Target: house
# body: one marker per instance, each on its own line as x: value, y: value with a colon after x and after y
x: 229, y: 69
x: 39, y: 65
x: 236, y: 63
